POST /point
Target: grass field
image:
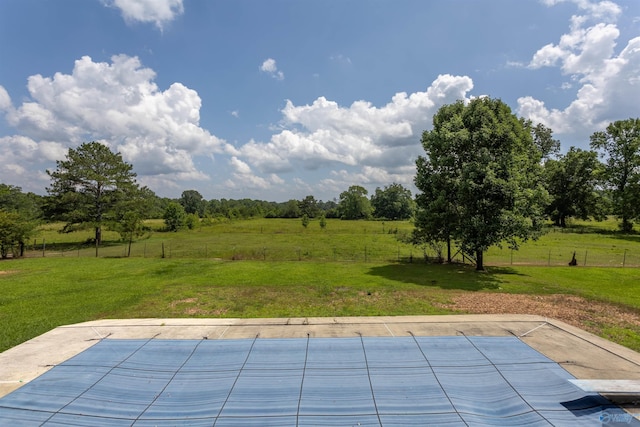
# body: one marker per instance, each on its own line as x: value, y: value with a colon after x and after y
x: 302, y: 272
x: 595, y: 244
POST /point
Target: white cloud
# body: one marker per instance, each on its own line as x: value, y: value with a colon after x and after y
x: 602, y: 10
x: 244, y: 179
x: 609, y: 81
x: 366, y: 144
x: 235, y: 113
x: 118, y: 102
x: 269, y: 66
x: 361, y: 134
x: 5, y: 100
x: 22, y: 155
x: 159, y: 12
x: 340, y: 58
x: 240, y: 166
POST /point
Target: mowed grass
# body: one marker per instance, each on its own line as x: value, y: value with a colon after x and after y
x: 277, y: 268
x: 39, y: 294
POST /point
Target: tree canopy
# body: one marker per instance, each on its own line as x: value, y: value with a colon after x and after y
x: 193, y: 203
x: 394, y: 202
x: 309, y: 207
x: 87, y: 187
x: 620, y: 145
x: 572, y: 182
x: 354, y: 203
x: 481, y: 178
x: 18, y: 214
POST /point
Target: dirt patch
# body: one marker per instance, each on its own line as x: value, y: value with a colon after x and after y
x: 184, y: 301
x: 192, y: 307
x: 574, y: 310
x: 5, y: 272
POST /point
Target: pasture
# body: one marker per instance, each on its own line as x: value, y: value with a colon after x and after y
x: 278, y: 268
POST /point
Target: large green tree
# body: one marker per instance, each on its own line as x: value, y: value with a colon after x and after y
x: 620, y: 145
x: 354, y: 203
x: 88, y: 187
x: 18, y: 219
x: 14, y: 232
x: 486, y: 169
x: 394, y: 202
x: 193, y: 203
x: 437, y: 178
x: 573, y: 182
x: 309, y: 207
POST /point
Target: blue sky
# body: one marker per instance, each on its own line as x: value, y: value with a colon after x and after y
x: 279, y: 99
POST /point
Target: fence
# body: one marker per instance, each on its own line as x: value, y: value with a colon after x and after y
x: 368, y: 250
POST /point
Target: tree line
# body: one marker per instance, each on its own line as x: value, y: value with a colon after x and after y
x: 94, y: 188
x: 487, y: 178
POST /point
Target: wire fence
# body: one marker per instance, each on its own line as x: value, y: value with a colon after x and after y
x: 369, y: 251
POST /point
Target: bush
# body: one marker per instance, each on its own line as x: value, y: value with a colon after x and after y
x: 192, y: 221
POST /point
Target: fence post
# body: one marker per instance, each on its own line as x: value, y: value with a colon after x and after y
x: 549, y: 260
x: 624, y: 258
x: 44, y: 245
x: 162, y: 249
x: 585, y: 258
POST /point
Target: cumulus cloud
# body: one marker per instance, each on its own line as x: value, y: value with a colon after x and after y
x: 269, y: 66
x: 5, y: 100
x: 159, y: 12
x: 374, y: 139
x: 601, y: 10
x: 24, y: 161
x: 608, y: 81
x: 119, y: 103
x: 244, y: 178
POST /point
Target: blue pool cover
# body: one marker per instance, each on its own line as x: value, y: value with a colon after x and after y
x: 360, y: 381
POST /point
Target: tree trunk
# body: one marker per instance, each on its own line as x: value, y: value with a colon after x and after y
x: 98, y: 235
x: 449, y: 249
x: 479, y: 261
x: 563, y: 221
x: 129, y: 249
x: 98, y: 239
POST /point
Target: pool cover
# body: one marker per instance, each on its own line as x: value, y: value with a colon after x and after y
x: 360, y: 381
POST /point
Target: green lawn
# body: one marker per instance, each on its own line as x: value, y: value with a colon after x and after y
x: 278, y: 268
x: 39, y: 294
